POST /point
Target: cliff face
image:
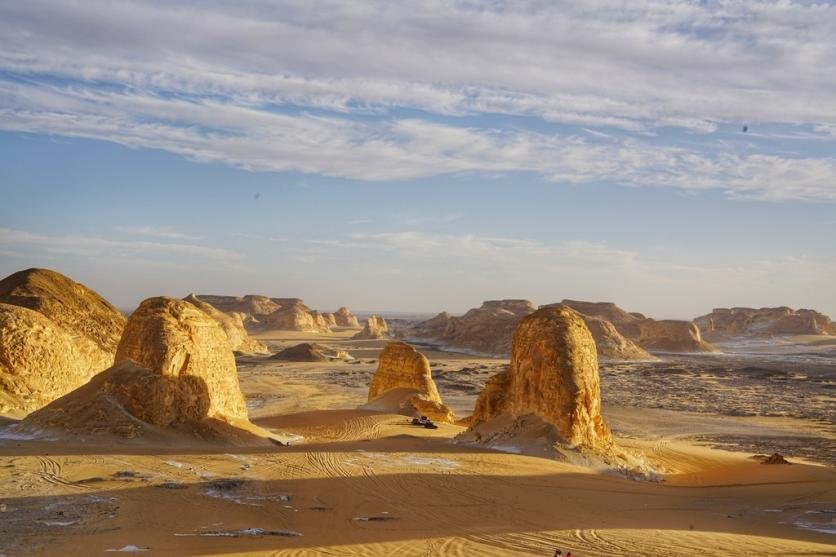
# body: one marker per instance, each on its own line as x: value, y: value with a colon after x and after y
x: 375, y: 328
x: 613, y: 345
x: 345, y: 318
x: 731, y: 323
x: 232, y: 325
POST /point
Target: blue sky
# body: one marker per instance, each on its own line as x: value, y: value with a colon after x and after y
x: 395, y: 157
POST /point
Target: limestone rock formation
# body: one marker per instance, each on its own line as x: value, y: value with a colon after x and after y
x: 672, y: 336
x: 174, y: 338
x: 730, y: 323
x: 67, y: 334
x: 330, y: 319
x: 174, y: 374
x: 252, y: 306
x: 403, y: 376
x: 233, y: 325
x: 375, y: 328
x: 648, y: 334
x: 613, y: 345
x: 294, y: 315
x: 553, y: 375
x: 345, y: 318
x: 308, y: 352
x: 487, y: 329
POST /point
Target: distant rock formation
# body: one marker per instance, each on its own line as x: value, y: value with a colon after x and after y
x: 375, y: 328
x: 345, y: 318
x: 730, y: 323
x: 648, y: 334
x: 308, y: 352
x: 233, y: 325
x: 553, y: 375
x: 263, y: 313
x: 174, y: 374
x: 403, y: 382
x: 487, y: 329
x: 672, y: 336
x: 55, y: 334
x: 613, y: 345
x: 330, y: 319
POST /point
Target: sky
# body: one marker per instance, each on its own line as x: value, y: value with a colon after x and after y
x: 668, y: 156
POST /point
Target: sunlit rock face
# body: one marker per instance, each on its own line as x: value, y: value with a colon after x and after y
x: 232, y: 325
x: 731, y: 323
x: 345, y: 318
x: 672, y: 336
x: 375, y: 328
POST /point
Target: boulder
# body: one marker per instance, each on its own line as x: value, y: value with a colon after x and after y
x: 232, y: 325
x: 403, y: 381
x: 73, y: 336
x: 730, y: 323
x: 375, y: 328
x: 553, y: 375
x: 672, y: 336
x: 345, y: 318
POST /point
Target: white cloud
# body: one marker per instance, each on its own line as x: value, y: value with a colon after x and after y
x: 156, y: 231
x: 87, y: 246
x: 230, y: 89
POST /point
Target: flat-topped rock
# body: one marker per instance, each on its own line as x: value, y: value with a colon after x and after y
x: 740, y: 322
x: 232, y: 325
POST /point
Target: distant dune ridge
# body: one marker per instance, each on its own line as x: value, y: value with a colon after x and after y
x: 175, y: 373
x: 55, y: 334
x: 288, y: 314
x: 730, y: 323
x: 403, y: 382
x: 552, y: 382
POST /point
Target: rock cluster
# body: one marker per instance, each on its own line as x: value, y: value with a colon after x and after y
x: 55, y: 334
x: 375, y: 328
x: 730, y: 323
x: 403, y: 382
x: 291, y: 314
x: 232, y: 325
x: 174, y: 372
x: 553, y: 375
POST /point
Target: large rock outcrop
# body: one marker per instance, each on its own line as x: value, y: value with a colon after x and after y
x: 252, y: 306
x: 553, y: 376
x: 174, y: 374
x: 375, y: 328
x: 232, y: 325
x: 263, y: 313
x: 648, y: 334
x: 403, y: 382
x: 486, y: 329
x: 68, y: 334
x: 611, y: 344
x: 309, y: 352
x: 345, y: 318
x: 730, y: 323
x: 672, y: 336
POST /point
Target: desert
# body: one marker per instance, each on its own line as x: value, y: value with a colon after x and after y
x: 187, y: 447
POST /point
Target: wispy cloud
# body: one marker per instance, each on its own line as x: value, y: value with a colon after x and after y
x: 277, y: 86
x: 88, y: 246
x: 157, y: 232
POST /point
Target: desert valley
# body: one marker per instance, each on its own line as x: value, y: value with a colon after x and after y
x: 223, y: 425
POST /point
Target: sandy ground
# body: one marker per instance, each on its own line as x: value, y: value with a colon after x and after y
x: 364, y: 483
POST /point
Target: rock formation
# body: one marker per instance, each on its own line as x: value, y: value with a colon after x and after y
x: 232, y: 324
x: 330, y: 319
x: 375, y: 328
x: 553, y: 375
x: 403, y: 382
x: 487, y: 329
x: 307, y: 352
x: 252, y: 306
x: 55, y: 334
x: 672, y: 336
x: 613, y: 345
x: 174, y: 373
x: 345, y: 318
x: 649, y: 334
x: 261, y: 312
x: 730, y: 323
